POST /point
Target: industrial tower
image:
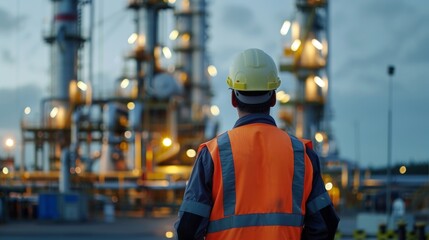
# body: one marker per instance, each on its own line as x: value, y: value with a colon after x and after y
x: 305, y: 54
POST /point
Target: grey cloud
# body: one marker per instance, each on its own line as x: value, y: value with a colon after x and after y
x: 240, y: 18
x: 272, y: 49
x: 414, y: 47
x: 6, y: 56
x: 222, y: 57
x: 9, y: 22
x: 373, y: 42
x: 401, y: 29
x: 13, y: 101
x: 388, y: 8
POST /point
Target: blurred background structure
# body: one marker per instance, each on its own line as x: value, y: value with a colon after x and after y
x: 84, y: 151
x: 139, y: 141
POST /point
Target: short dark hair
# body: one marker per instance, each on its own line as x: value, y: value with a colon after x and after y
x: 254, y: 108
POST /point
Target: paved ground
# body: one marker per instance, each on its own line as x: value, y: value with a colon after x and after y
x: 122, y: 228
x: 128, y: 228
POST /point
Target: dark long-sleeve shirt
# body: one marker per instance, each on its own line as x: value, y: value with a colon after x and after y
x: 320, y: 221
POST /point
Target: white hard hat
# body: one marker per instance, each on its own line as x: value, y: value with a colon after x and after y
x: 253, y: 70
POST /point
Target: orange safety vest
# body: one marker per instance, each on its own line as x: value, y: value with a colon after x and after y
x: 261, y: 181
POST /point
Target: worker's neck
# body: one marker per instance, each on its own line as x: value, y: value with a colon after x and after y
x: 243, y: 114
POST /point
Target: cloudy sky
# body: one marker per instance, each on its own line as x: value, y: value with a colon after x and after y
x: 365, y: 37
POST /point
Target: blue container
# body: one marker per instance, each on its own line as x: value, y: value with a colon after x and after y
x: 71, y: 198
x: 48, y: 206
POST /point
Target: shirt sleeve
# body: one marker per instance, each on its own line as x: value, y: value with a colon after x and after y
x: 321, y: 220
x: 197, y: 199
x: 318, y: 198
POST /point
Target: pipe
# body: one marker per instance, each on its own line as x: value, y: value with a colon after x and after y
x: 64, y: 181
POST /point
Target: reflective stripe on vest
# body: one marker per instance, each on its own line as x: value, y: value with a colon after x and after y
x: 294, y: 219
x: 298, y: 175
x: 228, y: 174
x: 260, y: 219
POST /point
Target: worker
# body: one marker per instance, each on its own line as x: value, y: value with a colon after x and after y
x: 398, y: 207
x: 256, y: 181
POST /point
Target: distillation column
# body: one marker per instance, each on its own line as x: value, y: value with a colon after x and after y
x: 200, y: 82
x: 191, y: 66
x: 190, y: 36
x: 65, y: 43
x: 65, y: 40
x: 305, y: 52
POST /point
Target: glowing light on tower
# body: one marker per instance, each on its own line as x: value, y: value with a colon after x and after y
x: 27, y: 110
x: 132, y: 38
x: 212, y: 71
x: 285, y: 28
x: 173, y: 35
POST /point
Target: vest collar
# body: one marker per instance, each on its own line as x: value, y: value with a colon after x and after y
x: 255, y: 118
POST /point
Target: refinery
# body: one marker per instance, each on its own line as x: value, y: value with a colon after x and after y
x: 99, y: 158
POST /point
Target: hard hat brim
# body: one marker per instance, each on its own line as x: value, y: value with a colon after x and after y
x: 253, y: 99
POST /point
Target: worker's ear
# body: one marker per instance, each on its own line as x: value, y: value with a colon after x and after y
x: 273, y: 99
x: 234, y: 99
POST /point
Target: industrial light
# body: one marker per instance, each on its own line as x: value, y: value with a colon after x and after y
x: 172, y: 1
x: 173, y: 35
x: 141, y: 41
x: 402, y: 169
x: 127, y: 134
x: 9, y: 142
x: 136, y: 172
x: 125, y: 82
x: 5, y: 171
x: 166, y: 52
x: 169, y: 234
x: 295, y: 45
x: 212, y: 70
x: 131, y: 106
x: 167, y: 142
x: 319, y: 81
x: 329, y: 186
x: 183, y: 77
x: 132, y: 38
x: 282, y: 96
x: 82, y: 86
x: 186, y: 37
x: 285, y: 28
x: 27, y: 110
x: 317, y: 44
x: 215, y: 111
x: 319, y: 137
x: 191, y: 153
x: 53, y: 112
x: 185, y: 4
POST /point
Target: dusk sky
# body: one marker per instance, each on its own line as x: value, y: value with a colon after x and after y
x: 365, y: 37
